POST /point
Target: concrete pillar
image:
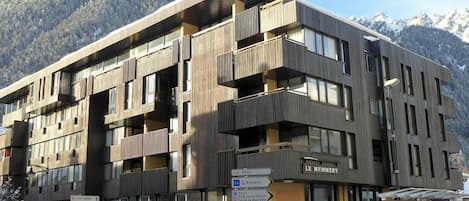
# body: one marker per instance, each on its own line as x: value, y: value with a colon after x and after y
x: 237, y: 7
x: 272, y: 136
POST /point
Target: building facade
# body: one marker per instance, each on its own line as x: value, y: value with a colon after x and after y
x: 164, y: 108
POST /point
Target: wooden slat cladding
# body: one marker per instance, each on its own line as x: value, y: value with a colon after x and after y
x: 226, y: 162
x: 129, y: 70
x: 83, y: 86
x: 155, y: 62
x: 286, y: 165
x: 226, y: 121
x: 175, y: 56
x: 155, y: 181
x: 155, y: 142
x: 225, y: 68
x: 247, y: 23
x: 125, y: 71
x: 131, y: 184
x: 279, y: 53
x: 131, y: 147
x: 278, y: 15
x: 283, y: 106
x: 89, y: 86
x: 206, y: 93
x: 186, y: 47
x: 449, y: 106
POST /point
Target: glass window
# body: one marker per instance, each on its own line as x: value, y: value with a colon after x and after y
x: 112, y: 100
x: 313, y: 89
x: 323, y: 192
x: 70, y: 174
x: 335, y: 145
x: 319, y: 42
x: 169, y: 38
x: 150, y: 88
x: 109, y: 64
x: 78, y: 172
x: 374, y: 106
x: 348, y: 105
x: 67, y: 142
x: 333, y: 94
x: 351, y: 151
x: 297, y: 84
x: 324, y: 141
x: 187, y: 159
x: 123, y: 56
x: 330, y: 47
x: 322, y: 91
x: 156, y: 44
x: 116, y: 169
x: 174, y: 161
x: 296, y: 35
x: 310, y: 40
x: 315, y: 139
x: 141, y: 50
x: 187, y: 76
x: 109, y: 137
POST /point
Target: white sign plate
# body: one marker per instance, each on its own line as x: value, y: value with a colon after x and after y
x: 250, y: 182
x: 251, y: 172
x: 251, y: 195
x: 84, y: 198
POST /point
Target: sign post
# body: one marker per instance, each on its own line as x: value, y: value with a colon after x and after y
x: 251, y: 184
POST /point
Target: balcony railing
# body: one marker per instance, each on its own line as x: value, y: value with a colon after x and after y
x: 151, y: 143
x: 265, y: 93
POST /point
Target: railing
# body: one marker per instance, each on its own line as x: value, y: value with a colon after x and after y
x: 258, y: 44
x: 273, y: 147
x: 264, y: 93
x: 268, y: 5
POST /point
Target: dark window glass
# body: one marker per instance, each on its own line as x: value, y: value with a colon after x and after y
x: 438, y: 90
x: 430, y: 156
x: 424, y: 91
x: 427, y: 122
x: 411, y: 160
x: 446, y: 165
x: 442, y: 126
x: 345, y: 57
x: 414, y: 119
x: 377, y: 150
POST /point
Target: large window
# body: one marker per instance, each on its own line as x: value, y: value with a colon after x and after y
x: 326, y: 141
x: 316, y: 42
x: 187, y: 154
x: 112, y: 101
x: 149, y: 88
x: 345, y: 57
x: 114, y: 136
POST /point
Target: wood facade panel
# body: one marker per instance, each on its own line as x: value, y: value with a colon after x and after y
x: 225, y: 68
x: 175, y: 56
x: 155, y: 142
x: 155, y: 62
x: 247, y: 23
x: 132, y: 147
x: 278, y: 15
x: 186, y: 47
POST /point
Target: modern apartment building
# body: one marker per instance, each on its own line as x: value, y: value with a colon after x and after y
x: 164, y: 108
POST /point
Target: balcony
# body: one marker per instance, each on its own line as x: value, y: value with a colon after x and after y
x: 277, y: 14
x: 279, y: 54
x: 49, y: 103
x: 294, y: 162
x: 151, y: 143
x: 145, y: 183
x: 14, y: 136
x: 10, y: 118
x: 160, y: 106
x: 280, y: 105
x: 449, y: 106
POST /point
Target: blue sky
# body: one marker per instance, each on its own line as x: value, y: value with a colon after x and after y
x: 392, y: 8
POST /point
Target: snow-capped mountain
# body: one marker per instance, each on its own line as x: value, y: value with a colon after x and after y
x: 444, y: 38
x: 456, y: 22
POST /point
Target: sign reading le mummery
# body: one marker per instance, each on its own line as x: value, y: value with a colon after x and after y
x: 309, y: 168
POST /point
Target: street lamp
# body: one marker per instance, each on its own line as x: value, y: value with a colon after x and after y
x: 45, y: 169
x: 389, y: 84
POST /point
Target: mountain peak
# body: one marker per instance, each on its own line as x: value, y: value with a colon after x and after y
x: 455, y: 22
